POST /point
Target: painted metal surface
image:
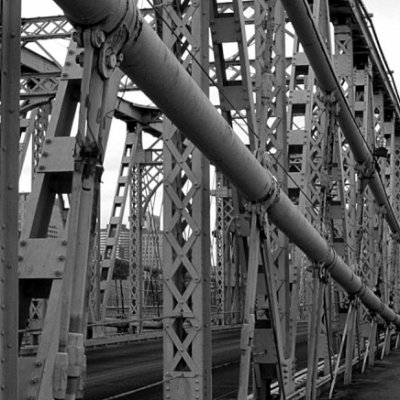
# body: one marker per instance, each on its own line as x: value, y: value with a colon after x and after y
x: 9, y: 133
x: 214, y: 137
x: 187, y: 351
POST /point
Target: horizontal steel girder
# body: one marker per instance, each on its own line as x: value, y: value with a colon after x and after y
x: 156, y: 71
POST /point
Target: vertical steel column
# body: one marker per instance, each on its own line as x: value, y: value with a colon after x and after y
x: 344, y: 68
x: 9, y: 138
x: 270, y: 89
x: 309, y: 111
x: 247, y: 334
x: 234, y: 83
x: 343, y: 61
x: 367, y: 207
x: 91, y: 141
x: 35, y: 247
x: 382, y: 163
x: 153, y: 174
x: 135, y: 233
x: 145, y: 175
x: 94, y: 307
x: 363, y: 108
x: 306, y: 138
x: 395, y: 197
x: 187, y: 330
x: 224, y: 281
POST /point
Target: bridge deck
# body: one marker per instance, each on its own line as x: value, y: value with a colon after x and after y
x: 380, y: 382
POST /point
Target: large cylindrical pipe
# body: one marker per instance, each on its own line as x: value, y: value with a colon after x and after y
x: 302, y: 20
x: 153, y: 67
x: 91, y: 13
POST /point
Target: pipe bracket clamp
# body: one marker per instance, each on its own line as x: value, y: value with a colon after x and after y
x: 328, y: 265
x: 366, y: 169
x: 112, y: 44
x: 272, y: 196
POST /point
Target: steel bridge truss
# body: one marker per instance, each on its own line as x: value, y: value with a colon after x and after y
x: 324, y: 122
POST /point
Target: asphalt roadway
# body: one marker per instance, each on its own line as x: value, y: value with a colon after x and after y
x: 135, y: 369
x: 135, y: 366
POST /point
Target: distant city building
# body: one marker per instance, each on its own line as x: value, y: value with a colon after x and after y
x: 151, y: 243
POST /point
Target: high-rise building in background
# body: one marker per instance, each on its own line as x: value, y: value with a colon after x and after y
x: 151, y: 243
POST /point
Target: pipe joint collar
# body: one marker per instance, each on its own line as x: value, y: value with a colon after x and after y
x: 111, y: 49
x: 273, y: 195
x: 366, y: 169
x: 361, y: 291
x: 330, y: 261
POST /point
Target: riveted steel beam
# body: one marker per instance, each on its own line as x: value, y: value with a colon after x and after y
x: 9, y: 133
x: 175, y: 93
x: 313, y: 44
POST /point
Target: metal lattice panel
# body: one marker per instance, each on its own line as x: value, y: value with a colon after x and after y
x: 270, y: 35
x: 344, y: 69
x: 146, y: 177
x: 109, y: 256
x: 187, y: 363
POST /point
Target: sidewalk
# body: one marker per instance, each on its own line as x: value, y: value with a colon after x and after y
x: 382, y: 382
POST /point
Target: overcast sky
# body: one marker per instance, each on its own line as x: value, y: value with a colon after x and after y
x: 386, y: 15
x: 386, y: 20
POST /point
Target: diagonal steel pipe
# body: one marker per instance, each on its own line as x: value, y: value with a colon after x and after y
x: 154, y: 68
x: 302, y: 20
